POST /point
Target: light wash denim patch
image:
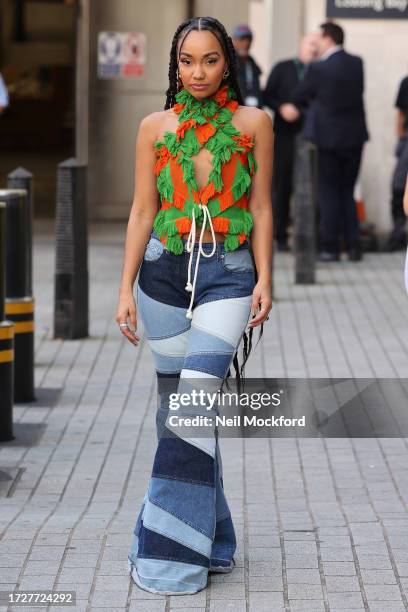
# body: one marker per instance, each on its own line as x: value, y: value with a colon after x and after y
x: 154, y: 249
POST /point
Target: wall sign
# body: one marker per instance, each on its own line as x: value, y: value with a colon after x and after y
x: 367, y: 9
x: 121, y: 54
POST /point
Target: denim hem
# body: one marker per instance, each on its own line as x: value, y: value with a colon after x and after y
x: 136, y: 578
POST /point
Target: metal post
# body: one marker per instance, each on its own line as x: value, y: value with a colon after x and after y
x: 71, y: 275
x: 20, y: 178
x: 305, y: 211
x: 19, y: 304
x: 6, y: 344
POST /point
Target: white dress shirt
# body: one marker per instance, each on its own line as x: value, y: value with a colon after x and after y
x: 330, y: 52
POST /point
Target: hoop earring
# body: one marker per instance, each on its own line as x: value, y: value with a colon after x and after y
x: 226, y: 74
x: 179, y: 81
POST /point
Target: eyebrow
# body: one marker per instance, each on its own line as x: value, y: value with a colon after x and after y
x: 205, y: 54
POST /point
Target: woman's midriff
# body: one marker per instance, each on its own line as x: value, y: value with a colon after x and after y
x: 207, y: 237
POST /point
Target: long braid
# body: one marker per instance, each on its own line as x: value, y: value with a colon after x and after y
x: 173, y: 84
x: 217, y: 28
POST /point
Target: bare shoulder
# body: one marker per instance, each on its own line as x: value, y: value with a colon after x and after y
x: 254, y: 120
x: 154, y: 124
x: 151, y: 123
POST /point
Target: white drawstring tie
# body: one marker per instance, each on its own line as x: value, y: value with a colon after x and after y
x: 190, y: 249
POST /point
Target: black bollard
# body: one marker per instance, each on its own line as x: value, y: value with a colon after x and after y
x: 71, y: 275
x: 20, y: 178
x: 19, y: 305
x: 305, y: 177
x: 6, y: 344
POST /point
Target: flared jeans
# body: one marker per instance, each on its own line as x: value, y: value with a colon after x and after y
x: 184, y: 527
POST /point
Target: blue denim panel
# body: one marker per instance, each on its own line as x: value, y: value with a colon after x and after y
x: 192, y: 503
x: 155, y: 546
x: 159, y: 520
x: 216, y: 283
x: 200, y: 340
x: 221, y: 506
x: 224, y: 544
x: 164, y: 280
x: 135, y: 540
x: 166, y: 384
x: 166, y: 364
x: 215, y: 364
x: 239, y: 261
x: 178, y: 459
x: 139, y: 519
x: 160, y: 320
x: 164, y: 381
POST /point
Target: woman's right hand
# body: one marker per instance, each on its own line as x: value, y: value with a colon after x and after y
x: 127, y: 311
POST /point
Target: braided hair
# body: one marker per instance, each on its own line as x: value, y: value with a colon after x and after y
x: 219, y: 31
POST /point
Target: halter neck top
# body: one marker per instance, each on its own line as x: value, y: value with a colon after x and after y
x: 221, y: 205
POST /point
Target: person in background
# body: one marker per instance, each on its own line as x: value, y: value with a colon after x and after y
x: 248, y: 69
x: 282, y: 82
x: 4, y: 98
x: 405, y: 208
x: 336, y: 123
x: 397, y: 239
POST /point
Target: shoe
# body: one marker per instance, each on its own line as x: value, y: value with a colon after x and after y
x: 221, y: 569
x: 355, y: 254
x: 328, y: 256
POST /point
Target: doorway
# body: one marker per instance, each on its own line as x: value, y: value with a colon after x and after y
x: 37, y: 62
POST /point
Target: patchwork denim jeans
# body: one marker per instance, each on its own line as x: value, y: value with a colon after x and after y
x: 184, y: 527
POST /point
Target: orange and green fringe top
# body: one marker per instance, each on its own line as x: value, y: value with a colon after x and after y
x: 204, y: 123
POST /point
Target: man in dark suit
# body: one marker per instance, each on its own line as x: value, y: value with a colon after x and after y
x: 282, y: 82
x: 336, y: 123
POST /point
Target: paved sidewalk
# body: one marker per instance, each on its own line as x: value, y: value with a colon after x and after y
x: 322, y: 524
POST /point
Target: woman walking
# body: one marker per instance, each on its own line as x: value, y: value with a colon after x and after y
x: 200, y: 230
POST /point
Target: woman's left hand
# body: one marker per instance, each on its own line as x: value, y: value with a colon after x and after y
x: 261, y: 302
